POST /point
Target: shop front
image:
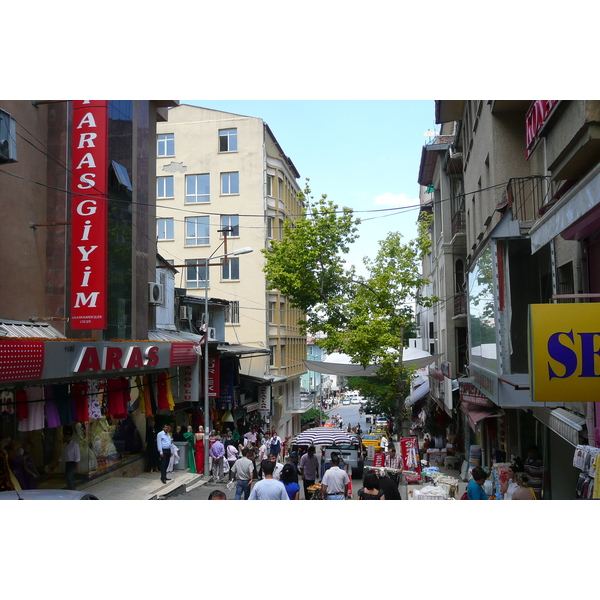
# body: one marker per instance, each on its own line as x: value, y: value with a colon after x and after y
x: 101, y: 393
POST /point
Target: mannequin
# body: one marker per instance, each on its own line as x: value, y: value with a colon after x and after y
x: 199, y: 450
x: 190, y: 438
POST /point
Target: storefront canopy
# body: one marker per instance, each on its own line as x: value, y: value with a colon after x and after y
x: 476, y: 414
x: 341, y: 364
x: 418, y: 394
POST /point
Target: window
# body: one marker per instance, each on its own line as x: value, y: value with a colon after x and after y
x: 197, y: 188
x: 272, y: 350
x: 164, y: 187
x: 232, y: 313
x: 231, y: 271
x: 270, y: 179
x: 270, y: 226
x: 197, y: 231
x: 166, y: 144
x: 272, y: 312
x: 232, y: 221
x: 230, y: 183
x: 280, y: 196
x: 227, y: 140
x: 164, y: 229
x: 196, y: 276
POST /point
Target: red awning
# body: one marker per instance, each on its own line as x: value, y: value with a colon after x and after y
x: 476, y: 414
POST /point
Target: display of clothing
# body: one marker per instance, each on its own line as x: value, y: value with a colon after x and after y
x: 189, y: 437
x: 94, y: 410
x: 586, y: 458
x: 35, y: 417
x: 174, y: 460
x: 51, y: 409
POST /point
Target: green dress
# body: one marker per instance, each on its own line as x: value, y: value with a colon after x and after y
x: 189, y: 438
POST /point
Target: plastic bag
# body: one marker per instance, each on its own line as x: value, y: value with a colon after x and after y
x: 231, y: 484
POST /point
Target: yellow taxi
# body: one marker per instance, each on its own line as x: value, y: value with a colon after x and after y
x: 374, y: 439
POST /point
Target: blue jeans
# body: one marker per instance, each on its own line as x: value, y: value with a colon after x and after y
x: 243, y: 486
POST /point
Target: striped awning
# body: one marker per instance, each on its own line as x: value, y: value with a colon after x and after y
x: 476, y: 414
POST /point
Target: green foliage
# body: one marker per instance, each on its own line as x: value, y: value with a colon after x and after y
x: 312, y: 414
x: 365, y: 317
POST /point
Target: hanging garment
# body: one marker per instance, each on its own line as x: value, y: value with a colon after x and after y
x: 7, y: 400
x: 162, y: 400
x: 126, y: 387
x: 22, y: 408
x: 170, y: 399
x: 94, y: 399
x: 61, y: 395
x: 115, y: 401
x: 80, y: 397
x: 52, y: 416
x: 141, y: 396
x: 35, y: 419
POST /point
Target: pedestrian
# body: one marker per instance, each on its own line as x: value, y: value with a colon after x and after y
x: 217, y: 452
x: 275, y: 444
x: 163, y: 445
x: 243, y: 470
x: 232, y: 455
x: 334, y: 485
x: 278, y: 466
x: 289, y: 478
x: 524, y: 492
x: 371, y: 489
x: 475, y: 489
x: 388, y: 486
x: 293, y: 460
x: 393, y: 461
x: 384, y: 443
x: 217, y: 495
x: 309, y: 469
x: 152, y: 455
x: 510, y: 485
x: 268, y: 488
x: 70, y: 455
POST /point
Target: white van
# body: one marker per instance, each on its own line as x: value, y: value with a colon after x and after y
x: 351, y: 454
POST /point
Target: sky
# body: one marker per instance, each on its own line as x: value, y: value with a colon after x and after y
x: 364, y: 154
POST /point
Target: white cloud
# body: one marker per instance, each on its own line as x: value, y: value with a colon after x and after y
x: 400, y: 200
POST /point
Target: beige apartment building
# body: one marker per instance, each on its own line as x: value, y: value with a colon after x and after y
x: 217, y: 171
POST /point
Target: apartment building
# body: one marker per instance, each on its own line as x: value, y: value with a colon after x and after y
x: 531, y: 195
x: 225, y: 184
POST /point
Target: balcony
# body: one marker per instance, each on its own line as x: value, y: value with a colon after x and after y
x: 300, y: 404
x: 460, y: 304
x: 459, y: 223
x: 526, y: 196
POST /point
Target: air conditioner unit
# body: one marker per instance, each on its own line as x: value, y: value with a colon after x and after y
x: 212, y: 334
x: 156, y: 294
x: 8, y: 138
x: 185, y: 313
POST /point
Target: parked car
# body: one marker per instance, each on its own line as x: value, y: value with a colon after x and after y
x: 351, y: 454
x: 346, y: 401
x: 47, y: 495
x: 381, y: 422
x: 355, y: 400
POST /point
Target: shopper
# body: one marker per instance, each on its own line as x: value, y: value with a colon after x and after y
x: 163, y: 444
x: 334, y: 485
x: 475, y: 489
x: 524, y: 492
x: 289, y: 478
x: 268, y: 488
x: 309, y: 469
x: 370, y: 489
x: 243, y: 470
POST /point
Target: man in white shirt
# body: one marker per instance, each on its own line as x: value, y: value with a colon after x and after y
x: 243, y: 470
x: 163, y: 443
x: 384, y: 444
x: 70, y: 455
x: 334, y: 485
x: 278, y: 467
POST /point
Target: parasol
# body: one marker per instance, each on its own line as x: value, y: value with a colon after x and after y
x: 324, y: 436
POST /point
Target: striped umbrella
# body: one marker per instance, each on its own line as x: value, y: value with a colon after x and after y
x: 325, y: 436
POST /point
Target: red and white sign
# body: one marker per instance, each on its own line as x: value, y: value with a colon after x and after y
x: 89, y: 215
x: 379, y: 459
x: 21, y: 361
x: 535, y: 119
x: 469, y: 393
x: 411, y: 460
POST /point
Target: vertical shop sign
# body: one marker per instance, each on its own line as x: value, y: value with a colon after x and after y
x: 89, y: 215
x: 411, y: 460
x: 264, y: 399
x: 214, y: 376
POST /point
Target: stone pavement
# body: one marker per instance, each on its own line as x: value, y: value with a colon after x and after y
x: 145, y: 486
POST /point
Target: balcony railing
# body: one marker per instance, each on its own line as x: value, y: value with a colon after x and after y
x: 526, y: 196
x: 460, y: 304
x: 459, y: 223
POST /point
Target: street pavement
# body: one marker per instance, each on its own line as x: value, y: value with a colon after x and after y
x: 189, y: 486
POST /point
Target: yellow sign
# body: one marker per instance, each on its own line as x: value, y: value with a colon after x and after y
x: 564, y: 352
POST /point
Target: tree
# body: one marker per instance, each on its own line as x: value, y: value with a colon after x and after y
x: 362, y: 316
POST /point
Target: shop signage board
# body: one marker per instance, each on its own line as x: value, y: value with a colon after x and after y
x: 379, y: 459
x: 535, y: 119
x: 89, y: 215
x: 22, y: 360
x: 264, y: 399
x: 189, y: 383
x: 469, y: 393
x: 411, y: 460
x: 564, y: 352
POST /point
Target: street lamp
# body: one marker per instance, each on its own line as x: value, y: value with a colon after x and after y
x: 207, y: 264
